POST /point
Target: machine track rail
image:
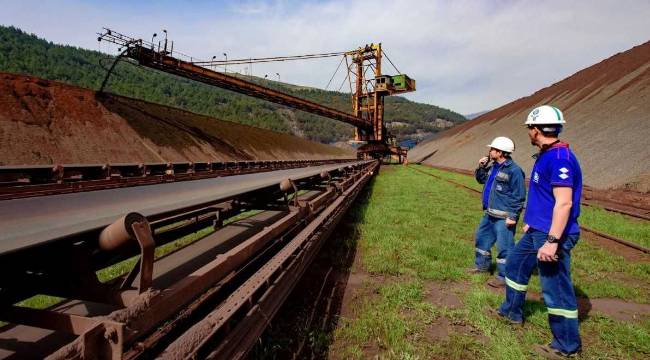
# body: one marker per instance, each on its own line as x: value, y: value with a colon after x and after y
x: 211, y: 298
x: 612, y: 206
x: 589, y: 230
x: 39, y: 180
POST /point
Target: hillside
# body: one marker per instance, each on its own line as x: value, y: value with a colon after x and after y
x: 26, y: 54
x: 46, y: 122
x: 475, y: 115
x: 607, y: 107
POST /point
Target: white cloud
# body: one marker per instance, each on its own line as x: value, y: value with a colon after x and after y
x: 466, y: 55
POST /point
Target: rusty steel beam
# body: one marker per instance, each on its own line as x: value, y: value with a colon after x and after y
x: 169, y: 270
x: 161, y: 61
x: 55, y: 267
x: 98, y: 338
x: 126, y: 330
x: 69, y: 323
x: 165, y: 304
x: 41, y: 180
x: 32, y: 221
x: 287, y: 268
x: 103, y: 341
x: 259, y: 298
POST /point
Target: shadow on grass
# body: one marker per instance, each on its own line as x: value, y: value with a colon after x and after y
x: 584, y: 304
x: 304, y: 326
x: 533, y: 307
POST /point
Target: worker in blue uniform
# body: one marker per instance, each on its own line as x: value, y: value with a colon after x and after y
x: 551, y: 231
x: 503, y: 198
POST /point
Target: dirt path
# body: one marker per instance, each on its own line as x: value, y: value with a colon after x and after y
x: 614, y: 308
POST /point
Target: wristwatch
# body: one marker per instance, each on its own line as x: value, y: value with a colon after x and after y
x: 551, y: 239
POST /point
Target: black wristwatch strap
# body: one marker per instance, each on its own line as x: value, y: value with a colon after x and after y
x: 551, y: 239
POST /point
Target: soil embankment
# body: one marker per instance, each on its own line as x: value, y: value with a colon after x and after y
x: 607, y: 107
x: 46, y: 122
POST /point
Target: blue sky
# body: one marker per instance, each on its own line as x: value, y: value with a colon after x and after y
x: 465, y: 55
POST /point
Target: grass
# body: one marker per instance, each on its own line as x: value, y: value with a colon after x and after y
x: 619, y: 225
x: 416, y: 230
x: 466, y: 180
x: 383, y: 322
x: 593, y: 217
x: 412, y: 231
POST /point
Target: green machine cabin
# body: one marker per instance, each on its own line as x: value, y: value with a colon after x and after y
x: 402, y: 83
x: 395, y: 84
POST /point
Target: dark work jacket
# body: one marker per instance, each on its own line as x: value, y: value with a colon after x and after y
x: 508, y: 190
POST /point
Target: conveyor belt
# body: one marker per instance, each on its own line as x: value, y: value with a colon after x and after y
x: 37, y: 343
x: 34, y: 221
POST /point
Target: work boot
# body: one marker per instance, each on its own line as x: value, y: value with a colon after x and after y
x: 547, y: 352
x: 497, y: 282
x: 476, y: 271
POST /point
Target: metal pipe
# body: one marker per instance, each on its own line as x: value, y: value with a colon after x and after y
x: 120, y: 232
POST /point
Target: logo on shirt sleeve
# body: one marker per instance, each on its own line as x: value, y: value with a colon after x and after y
x: 563, y: 173
x: 536, y: 177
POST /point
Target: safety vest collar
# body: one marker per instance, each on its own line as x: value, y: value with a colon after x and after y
x: 555, y: 145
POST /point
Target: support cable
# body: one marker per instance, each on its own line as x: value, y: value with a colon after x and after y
x: 387, y: 58
x: 335, y: 71
x: 348, y: 76
x: 343, y: 83
x: 268, y: 59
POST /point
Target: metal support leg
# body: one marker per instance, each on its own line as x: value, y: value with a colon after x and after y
x: 147, y: 248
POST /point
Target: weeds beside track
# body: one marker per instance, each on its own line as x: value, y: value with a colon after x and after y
x: 602, y: 223
x: 415, y: 300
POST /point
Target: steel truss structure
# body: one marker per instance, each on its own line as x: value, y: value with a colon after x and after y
x: 209, y: 299
x: 367, y: 96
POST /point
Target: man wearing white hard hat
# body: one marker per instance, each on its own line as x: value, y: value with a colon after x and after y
x: 504, y: 194
x: 551, y: 231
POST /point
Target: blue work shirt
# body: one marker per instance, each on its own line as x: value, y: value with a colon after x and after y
x: 504, y: 193
x: 555, y: 166
x: 488, y: 184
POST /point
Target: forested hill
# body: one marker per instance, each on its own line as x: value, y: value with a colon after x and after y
x: 23, y: 53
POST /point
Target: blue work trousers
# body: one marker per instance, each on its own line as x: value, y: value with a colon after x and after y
x: 491, y: 230
x: 557, y: 287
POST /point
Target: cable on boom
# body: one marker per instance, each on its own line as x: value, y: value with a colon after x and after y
x: 268, y: 59
x: 335, y: 71
x: 387, y: 58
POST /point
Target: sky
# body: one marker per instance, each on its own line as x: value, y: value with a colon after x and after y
x: 468, y: 56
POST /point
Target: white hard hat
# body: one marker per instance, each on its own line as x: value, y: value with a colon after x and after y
x: 545, y: 115
x: 503, y: 143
